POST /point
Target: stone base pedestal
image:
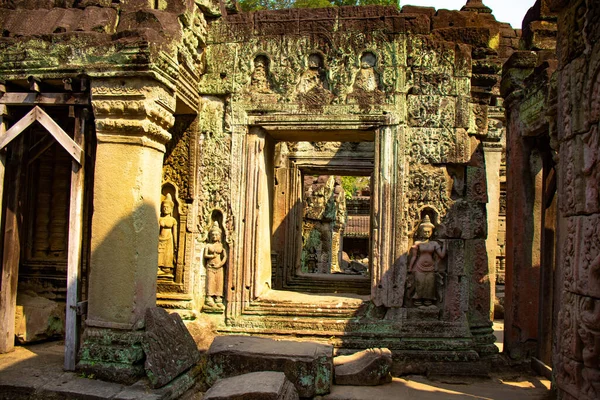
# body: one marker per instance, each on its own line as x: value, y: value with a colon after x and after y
x: 112, y: 355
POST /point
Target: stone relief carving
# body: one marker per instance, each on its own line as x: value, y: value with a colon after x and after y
x: 366, y: 90
x: 367, y: 78
x: 591, y: 168
x: 432, y: 111
x: 427, y: 188
x: 589, y: 334
x: 313, y: 88
x: 167, y: 239
x: 260, y: 80
x: 425, y: 278
x: 214, y: 161
x: 438, y: 145
x: 179, y: 164
x: 215, y: 257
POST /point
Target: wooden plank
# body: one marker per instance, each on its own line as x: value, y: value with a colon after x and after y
x: 11, y: 253
x: 40, y: 148
x: 59, y: 134
x: 17, y: 128
x: 44, y: 99
x: 3, y: 124
x: 74, y: 258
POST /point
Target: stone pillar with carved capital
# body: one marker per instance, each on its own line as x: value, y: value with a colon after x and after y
x: 132, y: 119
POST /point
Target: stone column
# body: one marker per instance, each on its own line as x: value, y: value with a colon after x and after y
x: 493, y: 158
x: 132, y: 117
x: 523, y: 227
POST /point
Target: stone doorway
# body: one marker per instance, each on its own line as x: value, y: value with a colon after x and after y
x: 270, y: 244
x: 314, y: 180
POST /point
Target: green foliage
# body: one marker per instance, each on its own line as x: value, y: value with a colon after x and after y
x: 349, y: 185
x: 312, y: 4
x: 255, y: 5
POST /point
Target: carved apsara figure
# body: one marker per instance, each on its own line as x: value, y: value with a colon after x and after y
x: 215, y: 257
x: 425, y: 255
x: 167, y: 235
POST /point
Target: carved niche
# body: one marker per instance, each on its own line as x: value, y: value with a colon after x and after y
x: 313, y: 89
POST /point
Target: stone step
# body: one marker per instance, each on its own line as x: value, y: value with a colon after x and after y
x: 264, y: 385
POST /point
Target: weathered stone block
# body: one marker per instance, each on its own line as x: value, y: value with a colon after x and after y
x: 465, y: 220
x: 169, y: 347
x: 307, y: 365
x: 540, y: 35
x: 463, y: 112
x: 366, y: 368
x: 480, y: 302
x: 38, y: 318
x: 456, y: 257
x: 474, y: 36
x: 112, y: 355
x: 578, y: 185
x: 418, y: 23
x: 277, y: 22
x: 317, y: 20
x: 98, y: 20
x: 477, y: 185
x: 264, y: 385
x: 431, y: 111
x: 429, y: 11
x: 439, y: 146
x: 586, y: 272
x: 452, y: 302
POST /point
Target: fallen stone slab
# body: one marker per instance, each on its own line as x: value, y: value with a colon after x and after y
x: 265, y: 385
x: 308, y: 365
x: 169, y: 347
x: 366, y: 368
x: 38, y: 318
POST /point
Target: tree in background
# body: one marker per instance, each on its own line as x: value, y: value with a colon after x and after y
x: 255, y: 5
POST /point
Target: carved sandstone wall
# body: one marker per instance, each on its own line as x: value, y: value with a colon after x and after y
x: 424, y: 87
x: 553, y: 171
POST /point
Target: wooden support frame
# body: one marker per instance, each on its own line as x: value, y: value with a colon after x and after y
x: 44, y: 99
x: 74, y: 249
x: 10, y: 266
x: 37, y: 114
x: 12, y: 251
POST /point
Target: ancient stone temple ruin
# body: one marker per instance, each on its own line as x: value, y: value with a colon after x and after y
x: 331, y: 174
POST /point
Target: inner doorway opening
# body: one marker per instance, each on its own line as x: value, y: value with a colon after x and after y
x: 336, y: 225
x: 314, y: 183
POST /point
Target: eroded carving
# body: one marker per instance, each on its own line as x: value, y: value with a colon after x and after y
x: 426, y: 280
x: 215, y: 257
x: 167, y: 239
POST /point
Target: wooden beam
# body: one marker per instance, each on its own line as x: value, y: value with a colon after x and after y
x: 74, y: 257
x: 17, y: 128
x: 44, y: 99
x: 12, y: 251
x: 40, y: 148
x: 61, y: 136
x: 37, y: 114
